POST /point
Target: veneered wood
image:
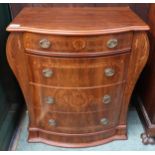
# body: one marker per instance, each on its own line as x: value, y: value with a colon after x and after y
x: 87, y: 139
x: 77, y: 21
x: 77, y: 72
x: 77, y: 46
x: 139, y: 55
x: 84, y: 99
x: 80, y: 81
x: 81, y: 122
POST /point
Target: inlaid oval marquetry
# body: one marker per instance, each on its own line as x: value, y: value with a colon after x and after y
x: 78, y: 100
x: 73, y: 99
x: 79, y: 44
x: 74, y: 46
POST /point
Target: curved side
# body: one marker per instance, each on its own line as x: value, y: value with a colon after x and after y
x: 138, y: 59
x: 17, y: 62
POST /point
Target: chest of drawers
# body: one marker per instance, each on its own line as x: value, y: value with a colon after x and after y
x: 77, y: 68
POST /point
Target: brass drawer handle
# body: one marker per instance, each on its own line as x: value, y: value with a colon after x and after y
x: 104, y: 121
x: 52, y: 122
x: 44, y: 43
x: 49, y: 100
x: 112, y: 43
x: 47, y: 72
x: 106, y: 99
x: 109, y: 72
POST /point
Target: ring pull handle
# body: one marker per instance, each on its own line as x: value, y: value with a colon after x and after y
x: 104, y: 121
x: 106, y: 99
x: 112, y: 43
x: 49, y: 100
x: 44, y: 43
x: 52, y: 122
x: 47, y: 72
x: 109, y: 72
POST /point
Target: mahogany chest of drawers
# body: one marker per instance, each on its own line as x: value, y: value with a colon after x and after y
x: 77, y: 68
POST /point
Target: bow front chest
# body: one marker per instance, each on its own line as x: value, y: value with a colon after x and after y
x: 77, y: 68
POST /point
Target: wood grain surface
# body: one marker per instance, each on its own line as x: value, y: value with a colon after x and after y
x: 77, y: 46
x: 77, y: 21
x: 77, y: 72
x: 75, y: 114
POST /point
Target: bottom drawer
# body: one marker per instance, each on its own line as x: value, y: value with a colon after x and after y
x: 83, y: 122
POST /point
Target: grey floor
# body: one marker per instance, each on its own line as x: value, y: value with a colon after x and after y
x: 132, y: 144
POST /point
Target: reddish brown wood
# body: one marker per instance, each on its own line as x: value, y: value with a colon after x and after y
x: 86, y: 139
x: 77, y: 21
x: 146, y: 86
x: 86, y: 71
x: 77, y: 46
x: 139, y: 54
x: 87, y: 98
x: 78, y: 117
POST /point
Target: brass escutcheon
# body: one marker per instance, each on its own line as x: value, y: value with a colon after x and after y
x: 106, y: 99
x: 49, y: 100
x: 52, y: 122
x: 44, y: 43
x: 112, y: 43
x: 104, y: 121
x: 109, y: 72
x: 47, y: 72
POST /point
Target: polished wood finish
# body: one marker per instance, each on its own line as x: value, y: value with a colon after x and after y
x: 87, y: 99
x: 78, y: 98
x: 76, y: 45
x: 77, y: 21
x: 86, y: 71
x: 146, y: 87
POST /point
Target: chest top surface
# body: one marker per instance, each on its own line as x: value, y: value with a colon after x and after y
x: 77, y: 21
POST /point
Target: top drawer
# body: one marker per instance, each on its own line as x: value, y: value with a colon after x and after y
x: 77, y: 45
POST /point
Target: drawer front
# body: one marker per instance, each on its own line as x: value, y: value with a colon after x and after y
x: 77, y: 72
x: 76, y: 45
x: 77, y: 122
x: 77, y: 100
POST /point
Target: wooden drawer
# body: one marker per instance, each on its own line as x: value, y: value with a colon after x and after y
x: 77, y: 100
x: 77, y: 45
x: 77, y: 122
x: 77, y: 72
